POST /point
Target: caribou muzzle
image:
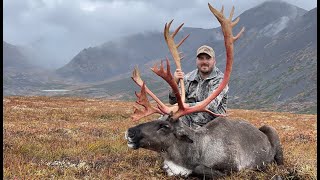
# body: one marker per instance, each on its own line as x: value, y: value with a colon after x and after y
x: 133, y: 138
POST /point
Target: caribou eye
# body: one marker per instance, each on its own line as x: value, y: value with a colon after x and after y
x: 164, y: 129
x: 165, y: 126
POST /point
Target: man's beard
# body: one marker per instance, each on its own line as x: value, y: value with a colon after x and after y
x: 205, y: 69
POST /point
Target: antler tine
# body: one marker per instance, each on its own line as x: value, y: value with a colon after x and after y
x: 231, y: 13
x: 222, y: 9
x: 235, y: 22
x: 171, y: 44
x: 166, y: 32
x: 221, y: 18
x: 167, y: 76
x: 216, y: 13
x: 137, y: 79
x: 136, y: 76
x: 157, y: 70
x: 174, y: 50
x: 182, y: 40
x: 143, y: 101
x: 177, y: 30
x: 142, y: 98
x: 239, y: 34
x: 170, y: 24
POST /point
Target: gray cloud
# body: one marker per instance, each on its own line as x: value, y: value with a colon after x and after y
x: 60, y: 29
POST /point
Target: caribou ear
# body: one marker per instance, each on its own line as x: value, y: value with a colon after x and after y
x: 182, y: 135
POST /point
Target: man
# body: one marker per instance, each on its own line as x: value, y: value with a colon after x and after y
x: 199, y: 84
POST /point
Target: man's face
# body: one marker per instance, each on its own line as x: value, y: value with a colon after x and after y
x: 205, y: 63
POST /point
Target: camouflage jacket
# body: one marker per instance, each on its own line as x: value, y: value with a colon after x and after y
x: 197, y: 90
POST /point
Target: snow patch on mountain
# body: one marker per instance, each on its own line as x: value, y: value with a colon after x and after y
x: 274, y: 28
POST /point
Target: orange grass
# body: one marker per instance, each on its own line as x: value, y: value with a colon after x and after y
x: 78, y: 138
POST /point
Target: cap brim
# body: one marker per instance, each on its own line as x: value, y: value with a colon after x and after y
x: 204, y: 53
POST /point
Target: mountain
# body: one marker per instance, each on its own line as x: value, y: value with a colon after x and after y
x: 113, y: 58
x: 274, y: 65
x: 13, y: 57
x: 22, y: 77
x: 278, y: 68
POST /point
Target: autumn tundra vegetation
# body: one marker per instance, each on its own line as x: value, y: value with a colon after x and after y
x: 81, y: 138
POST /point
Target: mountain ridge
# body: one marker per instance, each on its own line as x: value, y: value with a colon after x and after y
x: 271, y: 70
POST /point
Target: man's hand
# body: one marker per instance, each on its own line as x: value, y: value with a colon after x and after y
x: 178, y: 74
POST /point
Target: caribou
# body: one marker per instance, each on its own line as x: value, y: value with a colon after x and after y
x: 216, y: 149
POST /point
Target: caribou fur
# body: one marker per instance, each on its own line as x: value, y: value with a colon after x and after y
x: 220, y: 147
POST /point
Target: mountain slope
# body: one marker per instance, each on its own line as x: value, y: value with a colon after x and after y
x: 274, y: 65
x: 279, y: 70
x: 22, y: 77
x: 113, y: 58
x: 14, y: 58
x: 110, y: 59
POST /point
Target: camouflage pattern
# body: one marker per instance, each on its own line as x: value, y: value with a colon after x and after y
x: 196, y: 91
x: 207, y: 50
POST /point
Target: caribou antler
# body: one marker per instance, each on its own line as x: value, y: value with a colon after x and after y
x: 174, y: 50
x: 167, y: 76
x: 229, y: 39
x: 137, y: 79
x: 143, y: 101
x: 226, y: 26
x: 142, y: 97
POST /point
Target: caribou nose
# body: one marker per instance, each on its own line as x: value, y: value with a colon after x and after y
x: 131, y: 133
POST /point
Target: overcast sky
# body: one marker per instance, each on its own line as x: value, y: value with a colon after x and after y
x: 62, y: 28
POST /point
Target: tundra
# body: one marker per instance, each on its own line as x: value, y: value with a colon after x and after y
x: 216, y: 149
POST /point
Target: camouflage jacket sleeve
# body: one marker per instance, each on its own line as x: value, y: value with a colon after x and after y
x: 218, y: 105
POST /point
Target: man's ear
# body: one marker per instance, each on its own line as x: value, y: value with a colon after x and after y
x: 182, y: 135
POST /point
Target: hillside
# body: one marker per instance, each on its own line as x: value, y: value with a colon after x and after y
x: 15, y: 58
x: 277, y: 70
x: 81, y: 138
x: 271, y: 71
x: 111, y: 58
x: 22, y: 77
x: 274, y: 66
